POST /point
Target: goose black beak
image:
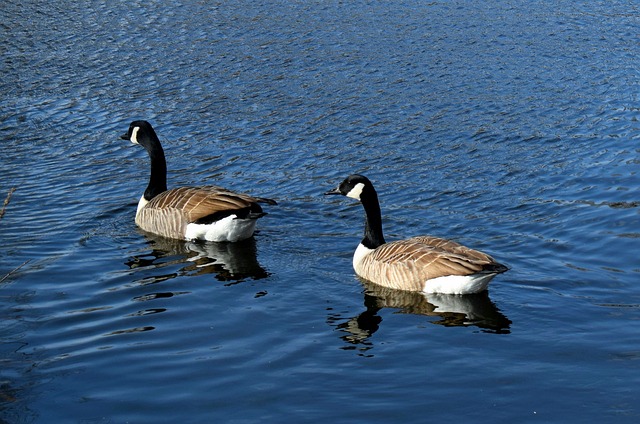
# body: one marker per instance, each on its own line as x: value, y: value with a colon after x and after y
x: 334, y: 191
x: 125, y: 136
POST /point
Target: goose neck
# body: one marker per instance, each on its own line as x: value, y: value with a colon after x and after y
x: 158, y: 177
x: 373, y: 235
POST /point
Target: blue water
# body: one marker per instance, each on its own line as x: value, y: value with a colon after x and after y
x: 509, y: 126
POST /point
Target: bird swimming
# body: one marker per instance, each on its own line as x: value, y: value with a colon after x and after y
x: 208, y: 212
x: 423, y: 263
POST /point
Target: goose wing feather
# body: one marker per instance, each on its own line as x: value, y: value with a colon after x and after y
x: 171, y: 211
x: 198, y: 202
x: 407, y: 264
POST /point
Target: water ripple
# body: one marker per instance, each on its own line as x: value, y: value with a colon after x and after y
x: 509, y: 126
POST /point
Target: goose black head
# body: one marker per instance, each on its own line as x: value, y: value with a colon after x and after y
x: 353, y: 186
x: 140, y: 132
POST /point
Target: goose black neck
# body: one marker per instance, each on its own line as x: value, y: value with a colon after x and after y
x: 158, y: 178
x: 373, y: 236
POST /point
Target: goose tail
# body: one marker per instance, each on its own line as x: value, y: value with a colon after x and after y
x: 265, y: 200
x: 495, y: 268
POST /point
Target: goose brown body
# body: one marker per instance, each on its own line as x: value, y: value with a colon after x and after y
x: 409, y: 264
x: 170, y: 212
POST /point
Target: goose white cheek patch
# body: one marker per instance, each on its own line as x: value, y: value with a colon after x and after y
x: 356, y: 191
x: 134, y: 135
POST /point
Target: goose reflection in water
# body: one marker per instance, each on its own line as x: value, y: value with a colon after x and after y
x: 451, y: 310
x: 229, y: 262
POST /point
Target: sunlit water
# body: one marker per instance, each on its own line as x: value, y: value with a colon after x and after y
x: 509, y: 126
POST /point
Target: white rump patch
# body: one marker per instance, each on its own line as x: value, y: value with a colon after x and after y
x: 134, y: 135
x: 458, y: 284
x: 226, y: 229
x: 356, y: 191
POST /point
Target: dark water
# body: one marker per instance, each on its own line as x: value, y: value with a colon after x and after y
x: 510, y: 126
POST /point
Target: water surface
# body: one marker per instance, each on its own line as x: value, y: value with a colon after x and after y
x: 509, y: 126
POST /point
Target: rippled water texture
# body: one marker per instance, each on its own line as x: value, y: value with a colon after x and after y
x: 509, y: 126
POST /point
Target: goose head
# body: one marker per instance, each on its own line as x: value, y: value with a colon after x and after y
x: 142, y: 133
x: 354, y: 186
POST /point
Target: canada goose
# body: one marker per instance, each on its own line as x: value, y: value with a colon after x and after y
x: 190, y: 213
x: 424, y: 263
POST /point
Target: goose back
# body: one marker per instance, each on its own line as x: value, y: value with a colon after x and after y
x: 409, y: 264
x: 170, y: 212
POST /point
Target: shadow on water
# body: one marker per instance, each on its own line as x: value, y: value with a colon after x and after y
x: 450, y: 310
x: 228, y: 262
x: 9, y: 396
x: 93, y: 323
x: 17, y: 379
